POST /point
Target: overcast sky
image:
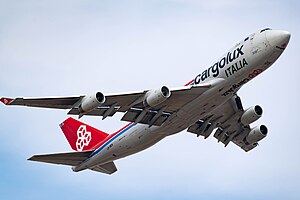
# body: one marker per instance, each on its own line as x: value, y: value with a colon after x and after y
x: 75, y: 47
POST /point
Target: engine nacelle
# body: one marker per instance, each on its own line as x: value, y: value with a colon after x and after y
x: 256, y: 134
x: 251, y: 115
x: 155, y: 97
x: 90, y: 102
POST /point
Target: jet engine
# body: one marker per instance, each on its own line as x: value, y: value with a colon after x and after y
x: 155, y: 97
x: 90, y: 102
x: 256, y: 134
x: 251, y: 115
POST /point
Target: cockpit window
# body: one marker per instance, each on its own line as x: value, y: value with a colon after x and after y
x: 266, y: 29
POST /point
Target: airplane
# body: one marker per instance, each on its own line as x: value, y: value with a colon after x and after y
x: 207, y: 104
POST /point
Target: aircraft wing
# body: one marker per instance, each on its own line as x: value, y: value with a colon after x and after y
x: 227, y: 121
x: 132, y: 104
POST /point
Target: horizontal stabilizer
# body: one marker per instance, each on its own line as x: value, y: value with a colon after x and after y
x: 74, y: 159
x: 108, y: 168
x: 70, y: 158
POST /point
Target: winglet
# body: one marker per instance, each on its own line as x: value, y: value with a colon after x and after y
x: 6, y: 101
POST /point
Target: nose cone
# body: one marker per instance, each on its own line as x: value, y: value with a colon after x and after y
x: 278, y: 39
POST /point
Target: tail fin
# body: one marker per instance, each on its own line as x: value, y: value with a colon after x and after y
x: 80, y: 136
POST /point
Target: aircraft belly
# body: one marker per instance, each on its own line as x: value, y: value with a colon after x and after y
x: 139, y: 138
x: 195, y: 110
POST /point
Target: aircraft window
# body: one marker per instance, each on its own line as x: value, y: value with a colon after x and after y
x: 247, y: 38
x: 266, y: 29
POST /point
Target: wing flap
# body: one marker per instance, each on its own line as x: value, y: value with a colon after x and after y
x: 96, y: 112
x: 195, y: 128
x: 133, y: 115
x: 70, y: 158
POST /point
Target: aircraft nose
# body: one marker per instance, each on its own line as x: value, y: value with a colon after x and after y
x: 278, y: 39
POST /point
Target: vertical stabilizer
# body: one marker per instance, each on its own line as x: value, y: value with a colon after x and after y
x: 80, y: 136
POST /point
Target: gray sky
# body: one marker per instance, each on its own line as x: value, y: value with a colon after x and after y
x: 78, y: 47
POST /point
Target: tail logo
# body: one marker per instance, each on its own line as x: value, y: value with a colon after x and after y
x: 83, y: 138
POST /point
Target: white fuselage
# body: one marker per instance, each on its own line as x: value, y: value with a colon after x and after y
x: 239, y: 65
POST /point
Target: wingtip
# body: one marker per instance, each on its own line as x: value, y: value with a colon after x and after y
x: 6, y: 101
